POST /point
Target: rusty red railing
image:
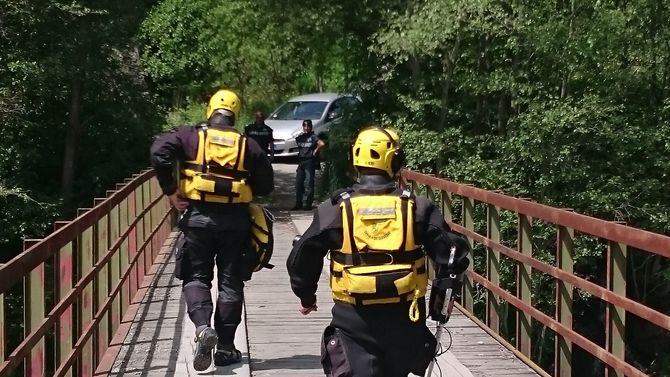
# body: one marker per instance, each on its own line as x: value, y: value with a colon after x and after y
x: 77, y: 283
x: 616, y: 239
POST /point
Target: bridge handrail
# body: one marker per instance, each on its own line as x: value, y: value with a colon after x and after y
x: 20, y: 265
x: 638, y: 238
x: 619, y: 237
x: 105, y: 251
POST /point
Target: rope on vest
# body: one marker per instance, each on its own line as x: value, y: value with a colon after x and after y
x: 414, y: 312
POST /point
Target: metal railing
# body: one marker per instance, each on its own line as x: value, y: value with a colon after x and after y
x: 616, y: 241
x: 76, y: 284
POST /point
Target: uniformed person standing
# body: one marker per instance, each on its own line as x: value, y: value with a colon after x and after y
x: 309, y: 146
x: 261, y: 133
x: 219, y: 172
x: 377, y: 236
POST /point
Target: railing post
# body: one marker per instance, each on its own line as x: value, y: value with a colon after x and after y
x: 64, y: 275
x: 154, y: 216
x: 34, y: 301
x: 115, y: 272
x: 493, y: 267
x: 430, y: 194
x: 2, y: 327
x: 146, y: 220
x: 468, y: 223
x: 139, y: 236
x: 123, y: 251
x: 431, y: 271
x: 447, y: 206
x: 102, y: 281
x: 132, y: 242
x: 85, y: 256
x: 615, y: 335
x: 523, y: 282
x: 564, y: 261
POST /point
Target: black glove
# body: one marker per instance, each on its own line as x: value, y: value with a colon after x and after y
x: 437, y: 293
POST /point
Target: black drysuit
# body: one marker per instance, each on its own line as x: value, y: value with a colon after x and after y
x: 377, y: 340
x: 214, y: 233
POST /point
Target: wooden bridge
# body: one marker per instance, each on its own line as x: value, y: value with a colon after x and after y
x: 98, y: 296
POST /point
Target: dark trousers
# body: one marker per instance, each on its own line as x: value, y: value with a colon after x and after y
x: 376, y: 341
x: 202, y: 249
x: 304, y: 183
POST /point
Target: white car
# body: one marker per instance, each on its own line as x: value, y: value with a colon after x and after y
x: 324, y: 109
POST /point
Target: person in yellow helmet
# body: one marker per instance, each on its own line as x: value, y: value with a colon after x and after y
x: 220, y: 171
x: 378, y: 236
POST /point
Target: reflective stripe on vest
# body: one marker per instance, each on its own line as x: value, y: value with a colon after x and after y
x: 379, y: 261
x: 217, y: 174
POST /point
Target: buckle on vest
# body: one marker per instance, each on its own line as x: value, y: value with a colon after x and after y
x: 390, y: 256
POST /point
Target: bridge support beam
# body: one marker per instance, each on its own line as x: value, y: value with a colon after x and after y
x: 524, y: 285
x: 617, y: 254
x: 64, y: 276
x: 34, y: 310
x: 493, y: 268
x: 469, y: 223
x: 564, y: 291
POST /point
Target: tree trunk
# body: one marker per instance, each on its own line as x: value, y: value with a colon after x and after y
x: 565, y: 81
x: 504, y: 106
x: 415, y: 68
x: 71, y: 137
x: 449, y: 64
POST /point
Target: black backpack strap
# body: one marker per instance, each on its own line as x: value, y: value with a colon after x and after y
x: 203, y: 128
x: 404, y: 207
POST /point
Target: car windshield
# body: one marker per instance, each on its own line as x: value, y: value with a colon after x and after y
x: 300, y: 110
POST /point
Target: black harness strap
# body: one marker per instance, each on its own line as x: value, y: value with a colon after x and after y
x: 404, y: 205
x: 218, y: 169
x: 376, y: 258
x: 203, y: 168
x: 240, y: 149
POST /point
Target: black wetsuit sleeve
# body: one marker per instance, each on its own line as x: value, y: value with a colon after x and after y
x: 165, y: 151
x: 305, y: 262
x: 438, y: 238
x: 261, y: 175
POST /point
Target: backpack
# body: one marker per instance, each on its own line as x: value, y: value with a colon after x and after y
x: 261, y: 242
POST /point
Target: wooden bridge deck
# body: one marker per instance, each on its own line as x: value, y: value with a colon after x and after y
x: 274, y: 338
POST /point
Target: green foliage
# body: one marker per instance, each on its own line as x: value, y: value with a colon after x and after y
x: 22, y: 218
x: 564, y: 102
x: 67, y: 65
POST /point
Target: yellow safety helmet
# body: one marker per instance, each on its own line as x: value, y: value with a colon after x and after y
x: 378, y: 148
x: 224, y: 99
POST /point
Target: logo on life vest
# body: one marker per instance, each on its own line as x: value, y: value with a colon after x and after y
x: 376, y: 232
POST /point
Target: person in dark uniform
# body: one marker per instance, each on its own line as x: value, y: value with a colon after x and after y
x: 261, y: 133
x: 219, y: 173
x: 309, y: 146
x: 377, y: 236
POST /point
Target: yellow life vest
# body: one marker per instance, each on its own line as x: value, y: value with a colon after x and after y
x: 379, y: 262
x: 217, y: 174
